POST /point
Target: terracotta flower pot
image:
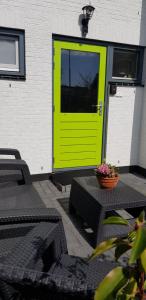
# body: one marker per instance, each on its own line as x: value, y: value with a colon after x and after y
x: 108, y: 183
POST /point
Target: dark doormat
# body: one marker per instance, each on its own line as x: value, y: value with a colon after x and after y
x: 80, y: 225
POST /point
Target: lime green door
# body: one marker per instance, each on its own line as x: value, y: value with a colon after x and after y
x: 79, y: 84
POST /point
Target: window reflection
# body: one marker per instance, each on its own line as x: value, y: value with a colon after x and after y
x: 125, y: 64
x: 79, y: 81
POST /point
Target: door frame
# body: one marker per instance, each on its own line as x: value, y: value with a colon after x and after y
x: 106, y: 97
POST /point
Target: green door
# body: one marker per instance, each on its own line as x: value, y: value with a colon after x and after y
x: 79, y: 84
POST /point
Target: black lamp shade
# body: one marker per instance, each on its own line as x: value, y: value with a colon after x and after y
x: 88, y: 11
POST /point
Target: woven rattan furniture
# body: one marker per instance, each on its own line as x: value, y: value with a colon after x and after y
x: 19, y: 196
x: 22, y: 204
x: 32, y: 272
x: 10, y: 151
x: 15, y: 223
x: 10, y: 175
x: 94, y: 204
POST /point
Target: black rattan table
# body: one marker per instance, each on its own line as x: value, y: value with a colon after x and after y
x: 94, y: 204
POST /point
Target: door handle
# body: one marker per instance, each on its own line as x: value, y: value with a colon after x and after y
x: 99, y: 107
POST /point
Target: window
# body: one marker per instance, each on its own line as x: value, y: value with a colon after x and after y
x: 12, y: 60
x: 127, y: 65
x: 9, y: 57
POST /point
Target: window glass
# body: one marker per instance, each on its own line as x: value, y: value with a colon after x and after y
x: 8, y: 53
x: 79, y: 81
x: 125, y: 63
x: 12, y: 53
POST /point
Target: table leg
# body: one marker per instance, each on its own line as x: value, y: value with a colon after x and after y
x: 98, y: 236
x: 71, y: 208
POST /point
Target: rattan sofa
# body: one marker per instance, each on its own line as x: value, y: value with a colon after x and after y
x: 31, y: 270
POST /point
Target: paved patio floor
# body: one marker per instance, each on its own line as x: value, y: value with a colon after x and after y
x: 77, y: 245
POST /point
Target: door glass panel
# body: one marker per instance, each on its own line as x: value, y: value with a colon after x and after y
x: 79, y: 81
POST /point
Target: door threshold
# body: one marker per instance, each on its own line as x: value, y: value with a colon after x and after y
x: 63, y: 180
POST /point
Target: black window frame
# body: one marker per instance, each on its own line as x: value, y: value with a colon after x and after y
x: 128, y: 81
x: 20, y: 35
x: 110, y: 46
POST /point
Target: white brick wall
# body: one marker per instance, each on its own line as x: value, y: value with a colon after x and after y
x: 124, y: 123
x: 26, y: 106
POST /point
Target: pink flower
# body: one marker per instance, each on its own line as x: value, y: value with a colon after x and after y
x: 106, y: 170
x: 103, y: 169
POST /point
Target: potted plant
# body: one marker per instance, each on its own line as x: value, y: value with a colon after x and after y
x: 107, y: 175
x: 125, y: 283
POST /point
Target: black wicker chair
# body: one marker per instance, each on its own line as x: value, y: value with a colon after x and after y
x: 32, y: 272
x: 19, y: 196
x: 10, y: 151
x: 15, y: 224
x: 13, y: 176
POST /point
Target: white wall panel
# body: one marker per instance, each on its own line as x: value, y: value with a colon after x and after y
x: 124, y: 121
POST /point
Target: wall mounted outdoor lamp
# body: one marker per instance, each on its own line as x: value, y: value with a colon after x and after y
x: 88, y: 11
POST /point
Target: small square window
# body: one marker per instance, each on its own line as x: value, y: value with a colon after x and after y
x: 125, y: 64
x: 9, y: 56
x: 12, y: 60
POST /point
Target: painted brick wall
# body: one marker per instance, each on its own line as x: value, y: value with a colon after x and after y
x: 124, y: 123
x: 26, y: 106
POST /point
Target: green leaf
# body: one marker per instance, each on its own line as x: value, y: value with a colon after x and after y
x: 113, y: 281
x: 143, y: 259
x: 104, y: 246
x: 121, y: 249
x: 145, y: 285
x: 131, y: 236
x: 129, y: 291
x: 116, y: 220
x: 140, y: 220
x: 123, y: 296
x: 141, y: 217
x: 139, y: 245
